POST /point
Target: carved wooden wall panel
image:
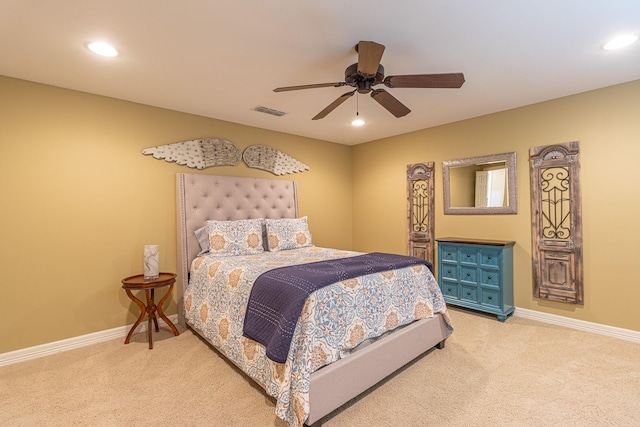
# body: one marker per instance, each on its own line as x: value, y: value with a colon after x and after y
x: 421, y: 210
x: 556, y: 214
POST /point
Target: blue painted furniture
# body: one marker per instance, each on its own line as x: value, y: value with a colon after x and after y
x: 477, y: 274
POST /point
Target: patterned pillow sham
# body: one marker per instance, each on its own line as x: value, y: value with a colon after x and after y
x: 234, y: 238
x: 287, y: 233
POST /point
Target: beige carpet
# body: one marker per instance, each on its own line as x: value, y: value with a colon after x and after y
x: 520, y: 373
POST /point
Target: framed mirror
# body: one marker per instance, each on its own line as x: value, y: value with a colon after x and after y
x: 480, y: 185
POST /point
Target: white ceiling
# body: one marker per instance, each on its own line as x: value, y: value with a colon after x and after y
x: 221, y: 59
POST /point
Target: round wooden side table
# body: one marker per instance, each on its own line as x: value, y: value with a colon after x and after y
x: 138, y: 282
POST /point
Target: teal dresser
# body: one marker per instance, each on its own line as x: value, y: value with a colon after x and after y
x: 477, y: 274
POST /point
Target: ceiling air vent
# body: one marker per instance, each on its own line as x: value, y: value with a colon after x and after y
x: 271, y: 111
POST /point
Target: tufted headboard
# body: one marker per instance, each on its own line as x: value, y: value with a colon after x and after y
x: 202, y: 197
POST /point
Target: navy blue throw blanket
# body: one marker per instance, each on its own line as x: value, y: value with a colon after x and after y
x: 278, y: 295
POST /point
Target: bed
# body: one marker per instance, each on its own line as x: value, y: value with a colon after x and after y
x: 323, y: 369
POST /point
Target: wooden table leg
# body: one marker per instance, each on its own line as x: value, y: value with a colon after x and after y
x: 161, y: 314
x: 142, y: 313
x: 151, y: 312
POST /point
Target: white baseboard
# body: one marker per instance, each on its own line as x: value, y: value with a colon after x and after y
x: 121, y: 332
x: 597, y: 328
x: 73, y: 343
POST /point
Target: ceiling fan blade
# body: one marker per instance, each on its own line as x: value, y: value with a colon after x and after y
x: 387, y: 100
x: 322, y: 114
x: 452, y: 80
x: 369, y: 57
x: 312, y: 86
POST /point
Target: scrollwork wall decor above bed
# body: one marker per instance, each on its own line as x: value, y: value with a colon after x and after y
x: 208, y: 152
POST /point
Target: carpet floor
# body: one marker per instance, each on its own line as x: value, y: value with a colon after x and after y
x: 517, y: 373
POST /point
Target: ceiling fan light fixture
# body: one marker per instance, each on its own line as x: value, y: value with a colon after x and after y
x: 357, y: 122
x: 103, y: 49
x: 620, y: 41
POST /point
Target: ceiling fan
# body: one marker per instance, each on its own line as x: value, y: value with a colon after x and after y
x: 368, y: 72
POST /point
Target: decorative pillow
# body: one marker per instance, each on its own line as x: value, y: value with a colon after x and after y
x: 287, y: 233
x: 202, y: 234
x: 233, y: 238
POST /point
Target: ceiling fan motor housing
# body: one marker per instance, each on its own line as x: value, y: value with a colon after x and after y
x: 355, y: 79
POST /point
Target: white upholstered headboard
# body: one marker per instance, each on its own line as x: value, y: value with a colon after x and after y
x: 202, y: 197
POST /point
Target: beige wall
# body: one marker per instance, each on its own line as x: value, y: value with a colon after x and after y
x: 606, y: 124
x: 79, y: 202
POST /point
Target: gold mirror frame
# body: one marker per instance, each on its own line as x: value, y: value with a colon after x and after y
x: 512, y: 207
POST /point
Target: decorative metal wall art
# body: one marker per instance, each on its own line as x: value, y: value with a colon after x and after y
x: 272, y: 160
x: 421, y: 211
x: 556, y: 215
x: 198, y: 153
x: 208, y: 152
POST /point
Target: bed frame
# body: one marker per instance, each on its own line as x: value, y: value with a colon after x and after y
x: 202, y: 197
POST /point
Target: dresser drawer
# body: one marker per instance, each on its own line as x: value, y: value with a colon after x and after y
x: 448, y: 253
x: 490, y: 277
x: 449, y: 289
x: 468, y: 255
x: 468, y: 293
x: 468, y: 274
x: 449, y: 271
x: 490, y: 257
x: 491, y: 298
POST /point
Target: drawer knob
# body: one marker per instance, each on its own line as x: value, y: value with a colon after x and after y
x: 489, y: 257
x: 449, y: 271
x: 448, y: 253
x: 489, y: 298
x: 468, y: 293
x: 468, y: 255
x: 468, y: 274
x: 489, y: 277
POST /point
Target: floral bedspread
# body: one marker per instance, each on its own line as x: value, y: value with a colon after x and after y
x: 335, y: 319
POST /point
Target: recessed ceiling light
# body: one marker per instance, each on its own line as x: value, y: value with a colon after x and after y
x: 620, y: 42
x: 102, y: 48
